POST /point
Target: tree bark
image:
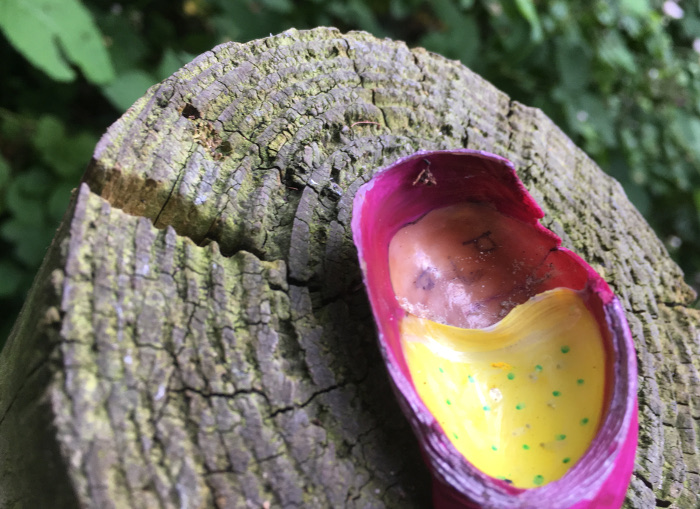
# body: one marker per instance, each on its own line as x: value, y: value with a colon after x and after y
x: 198, y: 335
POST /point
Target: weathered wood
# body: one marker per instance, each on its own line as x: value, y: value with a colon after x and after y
x: 198, y: 335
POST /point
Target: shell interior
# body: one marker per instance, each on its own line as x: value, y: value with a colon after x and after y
x: 500, y: 343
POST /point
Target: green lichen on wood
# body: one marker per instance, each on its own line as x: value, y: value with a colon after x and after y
x: 226, y: 356
x: 185, y: 369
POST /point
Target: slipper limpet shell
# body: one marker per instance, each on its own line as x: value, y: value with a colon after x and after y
x: 509, y: 354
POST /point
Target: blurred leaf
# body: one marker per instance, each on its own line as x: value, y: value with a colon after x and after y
x: 599, y: 117
x: 639, y: 8
x: 237, y: 21
x: 67, y: 156
x: 25, y: 209
x: 559, y: 9
x: 447, y: 12
x: 460, y: 39
x: 30, y: 243
x: 280, y: 6
x: 4, y: 172
x: 639, y: 196
x: 573, y: 65
x: 171, y: 62
x: 613, y: 75
x: 632, y: 25
x: 398, y: 9
x: 357, y: 13
x: 686, y: 128
x: 650, y: 139
x: 50, y: 133
x: 127, y: 47
x: 528, y: 11
x: 58, y: 201
x: 691, y: 25
x: 604, y: 12
x: 516, y: 37
x: 4, y: 179
x: 74, y: 156
x: 34, y: 182
x: 696, y: 200
x: 128, y: 87
x: 10, y: 277
x: 613, y: 51
x: 52, y: 34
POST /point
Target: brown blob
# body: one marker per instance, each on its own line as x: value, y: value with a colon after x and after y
x: 467, y: 265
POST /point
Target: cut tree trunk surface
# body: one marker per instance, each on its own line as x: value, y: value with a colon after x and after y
x: 198, y: 335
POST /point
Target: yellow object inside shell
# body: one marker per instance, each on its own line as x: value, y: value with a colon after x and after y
x: 521, y: 399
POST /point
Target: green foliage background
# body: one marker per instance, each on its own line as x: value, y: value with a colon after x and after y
x: 620, y: 77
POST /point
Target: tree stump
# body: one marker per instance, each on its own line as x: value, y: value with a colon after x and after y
x: 198, y: 335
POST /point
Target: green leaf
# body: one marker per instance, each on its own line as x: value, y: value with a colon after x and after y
x: 638, y: 196
x: 35, y: 182
x: 170, y: 62
x: 4, y: 172
x: 691, y: 25
x: 280, y: 6
x: 128, y: 87
x: 66, y: 155
x: 613, y: 51
x: 605, y: 13
x: 26, y: 210
x: 10, y: 278
x: 357, y: 13
x: 460, y: 40
x: 49, y: 134
x: 686, y: 129
x: 30, y: 244
x: 72, y: 158
x: 573, y: 64
x: 58, y: 201
x: 528, y: 11
x: 127, y: 46
x: 696, y: 201
x: 639, y: 8
x: 398, y: 9
x: 52, y: 34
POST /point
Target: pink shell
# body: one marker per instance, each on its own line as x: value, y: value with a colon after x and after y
x: 389, y: 201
